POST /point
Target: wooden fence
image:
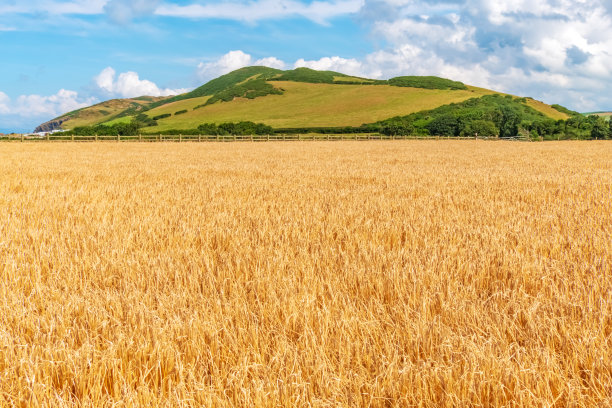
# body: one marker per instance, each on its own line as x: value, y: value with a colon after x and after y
x: 226, y: 138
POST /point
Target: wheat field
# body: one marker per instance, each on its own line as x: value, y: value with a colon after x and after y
x: 312, y: 274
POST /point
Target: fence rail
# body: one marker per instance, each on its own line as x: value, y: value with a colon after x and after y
x: 226, y: 138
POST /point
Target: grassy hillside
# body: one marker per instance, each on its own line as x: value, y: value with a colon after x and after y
x: 307, y: 104
x: 296, y: 98
x: 107, y: 111
x: 548, y: 110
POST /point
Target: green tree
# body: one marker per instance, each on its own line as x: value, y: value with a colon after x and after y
x: 485, y: 128
x: 208, y: 128
x: 226, y: 129
x: 510, y: 122
x: 600, y: 130
x: 397, y: 129
x: 445, y: 125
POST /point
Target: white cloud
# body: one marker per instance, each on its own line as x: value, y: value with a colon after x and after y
x: 4, y: 103
x: 48, y: 106
x: 232, y: 61
x: 229, y: 62
x: 122, y: 11
x: 271, y: 62
x: 83, y: 7
x: 129, y: 85
x: 339, y: 64
x: 318, y: 11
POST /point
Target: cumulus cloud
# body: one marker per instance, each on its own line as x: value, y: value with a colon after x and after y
x: 343, y: 65
x: 271, y: 62
x: 4, y: 103
x: 43, y: 106
x: 232, y: 61
x: 129, y: 85
x: 229, y: 62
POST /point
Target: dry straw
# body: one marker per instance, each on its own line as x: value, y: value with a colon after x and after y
x: 382, y: 274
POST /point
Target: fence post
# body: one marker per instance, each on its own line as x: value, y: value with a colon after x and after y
x: 72, y: 138
x: 199, y: 138
x: 48, y: 138
x: 96, y: 137
x: 140, y: 137
x: 22, y: 138
x: 267, y: 138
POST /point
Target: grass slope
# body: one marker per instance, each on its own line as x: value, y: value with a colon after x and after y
x: 105, y: 111
x: 548, y: 110
x: 308, y: 104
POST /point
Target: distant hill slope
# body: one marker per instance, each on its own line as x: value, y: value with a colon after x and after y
x: 103, y: 112
x: 296, y: 98
x: 606, y: 115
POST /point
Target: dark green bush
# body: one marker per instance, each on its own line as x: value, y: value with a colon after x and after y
x: 251, y: 89
x: 426, y: 82
x: 240, y: 128
x: 563, y: 109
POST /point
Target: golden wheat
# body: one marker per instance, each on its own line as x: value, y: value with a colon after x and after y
x: 409, y: 274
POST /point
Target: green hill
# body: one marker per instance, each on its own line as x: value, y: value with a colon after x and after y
x: 298, y: 98
x: 603, y: 114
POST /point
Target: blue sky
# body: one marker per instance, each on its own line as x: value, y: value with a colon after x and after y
x: 59, y: 55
